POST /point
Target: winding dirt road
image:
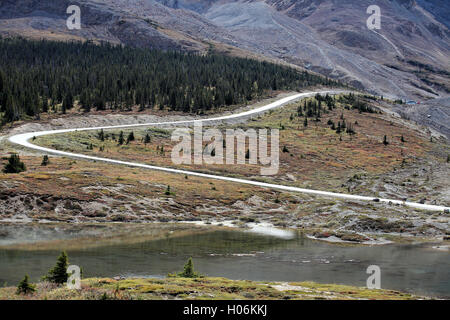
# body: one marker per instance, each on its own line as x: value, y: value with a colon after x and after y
x: 23, y: 140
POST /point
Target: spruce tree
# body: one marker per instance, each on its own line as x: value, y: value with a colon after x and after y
x: 101, y: 135
x: 25, y: 287
x: 45, y: 161
x: 130, y: 137
x: 121, y: 139
x: 59, y: 272
x: 11, y: 110
x: 44, y: 104
x: 339, y: 128
x: 14, y: 165
x: 188, y: 270
x: 147, y: 139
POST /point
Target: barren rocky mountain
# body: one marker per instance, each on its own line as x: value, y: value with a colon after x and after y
x: 407, y: 58
x: 434, y: 113
x: 408, y: 55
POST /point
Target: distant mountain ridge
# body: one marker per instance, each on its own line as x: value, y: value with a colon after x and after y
x: 407, y: 58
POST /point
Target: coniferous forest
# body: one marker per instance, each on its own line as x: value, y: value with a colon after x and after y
x: 47, y: 76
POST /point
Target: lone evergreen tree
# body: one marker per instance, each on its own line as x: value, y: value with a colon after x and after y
x: 14, y: 165
x: 45, y: 161
x: 25, y: 287
x: 385, y: 140
x: 121, y: 139
x: 147, y: 139
x: 59, y: 272
x: 188, y: 271
x: 101, y: 135
x: 339, y: 128
x: 130, y: 137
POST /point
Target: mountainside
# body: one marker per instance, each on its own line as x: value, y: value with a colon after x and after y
x: 409, y: 35
x: 439, y: 8
x: 407, y: 58
x: 409, y: 54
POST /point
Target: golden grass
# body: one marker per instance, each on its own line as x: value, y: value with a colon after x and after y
x: 203, y: 289
x: 316, y: 157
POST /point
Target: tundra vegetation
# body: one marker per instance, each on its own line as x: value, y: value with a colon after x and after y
x: 349, y: 141
x: 189, y: 285
x: 316, y: 157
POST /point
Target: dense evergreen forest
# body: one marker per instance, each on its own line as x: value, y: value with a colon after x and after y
x: 48, y: 76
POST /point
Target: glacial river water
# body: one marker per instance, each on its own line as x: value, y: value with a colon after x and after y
x: 244, y: 255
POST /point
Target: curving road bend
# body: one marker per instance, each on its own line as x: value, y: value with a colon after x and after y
x: 23, y: 140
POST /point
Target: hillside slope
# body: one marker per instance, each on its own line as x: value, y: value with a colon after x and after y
x: 408, y: 55
x: 407, y: 58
